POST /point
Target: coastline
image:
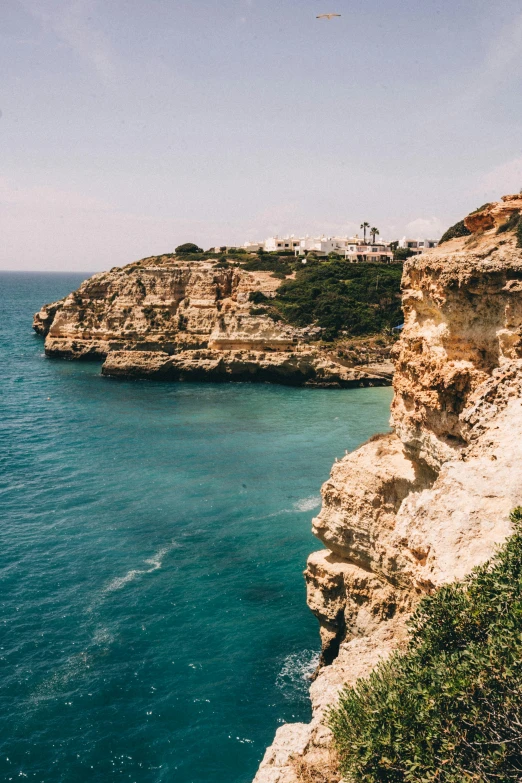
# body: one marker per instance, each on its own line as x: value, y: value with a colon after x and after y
x: 409, y: 512
x: 173, y: 320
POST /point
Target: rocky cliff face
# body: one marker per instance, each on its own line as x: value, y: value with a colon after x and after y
x: 167, y: 318
x: 410, y: 511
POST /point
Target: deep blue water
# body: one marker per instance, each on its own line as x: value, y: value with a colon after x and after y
x: 153, y: 536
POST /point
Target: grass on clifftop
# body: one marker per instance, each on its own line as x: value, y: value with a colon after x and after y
x: 449, y: 709
x: 341, y: 297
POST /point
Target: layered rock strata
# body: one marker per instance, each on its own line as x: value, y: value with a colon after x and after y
x: 165, y: 318
x: 412, y: 510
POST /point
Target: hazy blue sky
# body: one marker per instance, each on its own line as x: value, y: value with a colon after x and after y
x: 129, y: 126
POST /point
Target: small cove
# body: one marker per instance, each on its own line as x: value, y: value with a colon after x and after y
x: 153, y: 538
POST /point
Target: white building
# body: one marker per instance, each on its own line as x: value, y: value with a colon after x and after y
x: 253, y: 247
x: 378, y: 253
x: 417, y: 245
x: 280, y: 244
x: 354, y: 248
x: 322, y: 245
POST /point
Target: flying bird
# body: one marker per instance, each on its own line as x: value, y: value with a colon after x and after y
x: 327, y: 16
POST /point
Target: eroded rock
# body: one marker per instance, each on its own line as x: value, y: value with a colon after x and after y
x: 165, y: 318
x: 411, y: 511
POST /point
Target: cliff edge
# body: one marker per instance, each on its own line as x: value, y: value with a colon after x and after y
x: 170, y: 318
x: 411, y: 511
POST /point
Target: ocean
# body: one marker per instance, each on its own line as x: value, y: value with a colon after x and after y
x: 152, y: 541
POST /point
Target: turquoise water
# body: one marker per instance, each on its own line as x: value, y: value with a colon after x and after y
x: 153, y: 620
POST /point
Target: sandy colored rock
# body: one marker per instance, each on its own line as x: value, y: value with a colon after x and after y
x: 299, y: 367
x: 367, y: 488
x: 291, y: 740
x: 169, y: 319
x: 411, y: 511
x: 493, y: 215
x: 463, y: 316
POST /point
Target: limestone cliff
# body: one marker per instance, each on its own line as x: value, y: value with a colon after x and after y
x: 169, y: 318
x: 413, y: 510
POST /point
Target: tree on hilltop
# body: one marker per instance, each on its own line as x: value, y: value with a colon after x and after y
x: 364, y: 226
x: 188, y: 247
x: 374, y: 232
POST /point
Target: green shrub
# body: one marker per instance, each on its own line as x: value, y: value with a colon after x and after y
x: 519, y: 234
x: 511, y: 223
x: 357, y: 299
x: 188, y: 247
x: 458, y: 230
x: 268, y: 263
x: 449, y: 709
x: 257, y: 297
x: 402, y: 253
x: 479, y: 209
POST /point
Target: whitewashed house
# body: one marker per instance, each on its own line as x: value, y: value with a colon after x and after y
x: 354, y: 248
x: 323, y: 245
x: 417, y: 246
x: 253, y: 247
x: 281, y: 244
x: 377, y: 253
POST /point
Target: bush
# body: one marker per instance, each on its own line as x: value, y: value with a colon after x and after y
x: 402, y: 253
x: 188, y: 247
x: 479, y: 209
x: 268, y: 263
x: 449, y: 709
x: 357, y: 299
x: 511, y: 223
x: 257, y: 297
x: 458, y: 230
x: 519, y: 234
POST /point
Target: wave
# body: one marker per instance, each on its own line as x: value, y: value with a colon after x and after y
x: 304, y: 504
x: 308, y: 504
x: 155, y: 562
x: 294, y: 676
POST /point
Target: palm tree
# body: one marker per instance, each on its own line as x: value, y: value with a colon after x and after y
x: 374, y: 232
x: 364, y: 226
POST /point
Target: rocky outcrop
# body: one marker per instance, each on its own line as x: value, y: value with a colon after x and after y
x: 166, y: 318
x: 299, y: 367
x: 416, y: 509
x: 493, y: 215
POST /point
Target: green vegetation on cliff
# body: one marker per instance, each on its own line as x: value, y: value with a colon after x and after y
x: 458, y: 230
x: 341, y: 297
x: 514, y: 223
x: 265, y: 262
x: 448, y: 709
x: 188, y: 247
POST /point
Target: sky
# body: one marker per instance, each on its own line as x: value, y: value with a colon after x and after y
x: 129, y: 127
